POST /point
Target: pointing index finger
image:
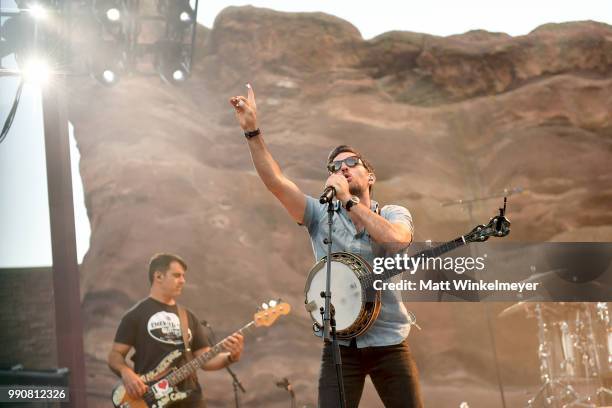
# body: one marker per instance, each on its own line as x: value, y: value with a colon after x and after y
x: 250, y: 94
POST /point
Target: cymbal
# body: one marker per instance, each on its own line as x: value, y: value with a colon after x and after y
x: 515, y: 308
x: 527, y: 308
x: 541, y: 277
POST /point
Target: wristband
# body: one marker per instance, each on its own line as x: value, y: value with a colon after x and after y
x: 354, y: 200
x: 252, y: 133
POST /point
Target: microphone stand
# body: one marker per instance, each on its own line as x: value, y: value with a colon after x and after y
x: 327, y: 312
x: 470, y: 203
x: 286, y: 385
x: 235, y: 381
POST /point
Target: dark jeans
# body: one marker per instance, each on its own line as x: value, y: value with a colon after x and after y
x: 391, y: 368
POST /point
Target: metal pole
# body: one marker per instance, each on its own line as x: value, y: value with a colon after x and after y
x: 491, y: 332
x: 66, y: 289
x: 329, y: 318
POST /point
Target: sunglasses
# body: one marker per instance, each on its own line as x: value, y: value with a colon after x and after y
x: 336, y: 165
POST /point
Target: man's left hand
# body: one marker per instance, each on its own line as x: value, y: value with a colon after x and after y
x: 234, y: 344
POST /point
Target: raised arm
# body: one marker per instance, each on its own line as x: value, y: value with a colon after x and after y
x: 285, y: 190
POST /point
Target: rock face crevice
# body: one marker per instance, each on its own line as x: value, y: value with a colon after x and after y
x: 167, y: 169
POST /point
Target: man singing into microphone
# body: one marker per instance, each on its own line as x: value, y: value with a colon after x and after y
x: 360, y: 227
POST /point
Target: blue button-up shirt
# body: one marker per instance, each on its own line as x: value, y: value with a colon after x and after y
x: 392, y: 325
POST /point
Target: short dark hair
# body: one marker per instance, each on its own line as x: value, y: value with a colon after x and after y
x: 346, y: 148
x: 161, y: 263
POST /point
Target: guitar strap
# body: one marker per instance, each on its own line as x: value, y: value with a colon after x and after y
x: 185, y: 332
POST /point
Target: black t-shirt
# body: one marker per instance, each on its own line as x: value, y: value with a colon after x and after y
x: 154, y: 330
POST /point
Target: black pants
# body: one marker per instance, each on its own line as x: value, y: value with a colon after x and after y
x: 391, y: 368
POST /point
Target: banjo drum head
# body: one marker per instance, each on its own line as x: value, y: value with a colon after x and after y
x: 345, y: 289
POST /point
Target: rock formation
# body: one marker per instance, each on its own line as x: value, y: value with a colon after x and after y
x: 441, y: 118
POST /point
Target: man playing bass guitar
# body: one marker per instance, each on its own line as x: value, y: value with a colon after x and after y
x: 153, y: 328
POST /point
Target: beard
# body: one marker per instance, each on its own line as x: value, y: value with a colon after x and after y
x: 356, y: 190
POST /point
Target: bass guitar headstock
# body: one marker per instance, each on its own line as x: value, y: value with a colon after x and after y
x: 270, y: 312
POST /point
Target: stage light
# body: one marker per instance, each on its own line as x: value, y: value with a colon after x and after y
x: 179, y: 75
x: 170, y: 62
x: 107, y: 63
x: 182, y: 11
x: 108, y: 11
x: 180, y: 15
x: 38, y: 12
x: 113, y: 14
x: 109, y: 77
x: 185, y: 17
x: 36, y: 71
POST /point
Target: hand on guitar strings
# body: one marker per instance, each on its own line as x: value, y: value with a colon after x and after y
x: 134, y: 385
x: 234, y: 344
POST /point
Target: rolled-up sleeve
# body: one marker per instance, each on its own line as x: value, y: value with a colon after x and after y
x: 396, y: 214
x: 312, y: 214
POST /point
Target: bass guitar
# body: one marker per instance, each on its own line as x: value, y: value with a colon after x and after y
x: 162, y: 381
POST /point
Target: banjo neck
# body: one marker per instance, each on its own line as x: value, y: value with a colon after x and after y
x: 428, y: 253
x: 498, y: 226
x: 354, y: 290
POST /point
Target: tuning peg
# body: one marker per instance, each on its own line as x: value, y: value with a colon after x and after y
x: 273, y: 303
x: 264, y: 306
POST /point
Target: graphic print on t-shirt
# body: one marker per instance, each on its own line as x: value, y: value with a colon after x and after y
x: 166, y: 328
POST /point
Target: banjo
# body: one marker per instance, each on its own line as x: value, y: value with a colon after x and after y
x: 356, y: 304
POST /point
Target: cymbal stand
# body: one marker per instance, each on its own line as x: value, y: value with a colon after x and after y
x: 604, y: 393
x: 552, y: 390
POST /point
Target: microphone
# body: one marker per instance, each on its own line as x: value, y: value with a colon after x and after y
x: 212, y: 339
x: 284, y: 383
x: 328, y: 195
